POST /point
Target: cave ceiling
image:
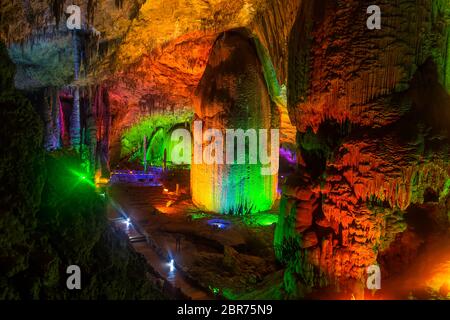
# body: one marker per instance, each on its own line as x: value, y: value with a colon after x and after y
x: 140, y: 49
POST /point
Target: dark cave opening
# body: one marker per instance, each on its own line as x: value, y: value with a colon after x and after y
x: 430, y: 195
x: 316, y: 148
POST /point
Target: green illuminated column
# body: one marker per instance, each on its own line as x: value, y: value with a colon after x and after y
x: 233, y: 95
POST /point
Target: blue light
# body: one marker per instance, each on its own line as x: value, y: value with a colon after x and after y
x: 172, y: 265
x: 219, y: 223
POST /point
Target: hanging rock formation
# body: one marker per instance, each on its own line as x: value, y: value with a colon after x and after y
x: 370, y: 143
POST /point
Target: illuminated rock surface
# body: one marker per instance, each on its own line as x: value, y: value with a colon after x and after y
x: 42, y: 235
x: 370, y: 143
x: 232, y: 95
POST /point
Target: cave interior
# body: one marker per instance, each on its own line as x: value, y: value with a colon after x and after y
x: 116, y: 149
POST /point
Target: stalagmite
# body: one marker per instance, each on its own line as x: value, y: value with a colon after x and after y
x: 144, y: 146
x: 232, y: 95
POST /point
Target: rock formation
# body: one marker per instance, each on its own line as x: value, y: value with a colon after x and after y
x: 232, y: 94
x: 371, y: 144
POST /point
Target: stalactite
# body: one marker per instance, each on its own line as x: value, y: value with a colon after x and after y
x: 102, y: 117
x: 91, y: 129
x: 144, y: 145
x: 56, y: 118
x: 48, y: 123
x: 75, y: 130
x: 57, y: 9
x: 28, y: 11
x: 91, y: 6
x: 118, y: 3
x: 75, y: 116
x: 51, y: 110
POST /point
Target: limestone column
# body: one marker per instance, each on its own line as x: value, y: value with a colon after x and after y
x: 232, y: 94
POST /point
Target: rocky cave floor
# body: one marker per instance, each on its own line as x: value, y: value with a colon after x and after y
x: 233, y: 263
x: 237, y: 262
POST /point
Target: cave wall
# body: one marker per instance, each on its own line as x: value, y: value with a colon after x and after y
x: 50, y: 219
x: 272, y: 27
x: 370, y: 108
x: 142, y: 51
x: 21, y: 175
x: 164, y: 62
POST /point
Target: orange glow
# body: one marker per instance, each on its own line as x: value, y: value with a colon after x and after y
x: 99, y: 180
x: 167, y: 210
x: 440, y: 281
x: 169, y: 203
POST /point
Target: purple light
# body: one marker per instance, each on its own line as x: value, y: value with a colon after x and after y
x: 139, y: 178
x: 289, y: 155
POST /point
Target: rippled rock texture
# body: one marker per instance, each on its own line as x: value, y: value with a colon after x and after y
x: 372, y: 113
x: 233, y: 95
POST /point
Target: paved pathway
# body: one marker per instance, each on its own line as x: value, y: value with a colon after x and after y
x: 156, y: 256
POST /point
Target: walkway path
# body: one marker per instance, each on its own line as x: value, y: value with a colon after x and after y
x: 157, y: 257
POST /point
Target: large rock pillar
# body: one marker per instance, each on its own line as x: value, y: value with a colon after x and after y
x: 232, y: 94
x: 368, y: 106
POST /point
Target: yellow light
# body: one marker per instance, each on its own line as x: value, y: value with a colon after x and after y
x: 99, y: 179
x: 169, y: 203
x: 441, y: 277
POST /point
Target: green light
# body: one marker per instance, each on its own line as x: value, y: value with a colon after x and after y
x: 228, y: 294
x: 261, y: 219
x: 238, y: 190
x: 197, y: 216
x: 266, y: 219
x: 214, y: 290
x: 445, y: 191
x: 82, y: 177
x: 157, y: 130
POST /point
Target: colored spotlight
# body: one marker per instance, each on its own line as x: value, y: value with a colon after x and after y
x: 171, y: 265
